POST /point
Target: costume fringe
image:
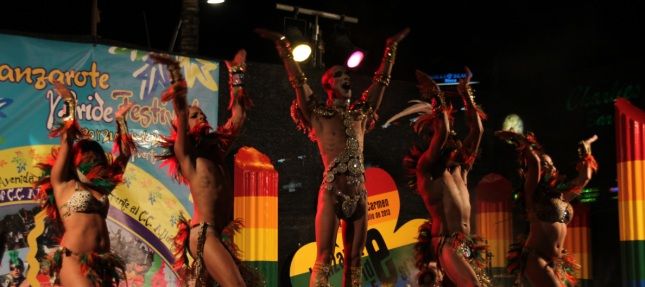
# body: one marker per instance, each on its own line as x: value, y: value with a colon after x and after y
x: 102, y: 269
x: 218, y: 141
x: 410, y: 162
x: 424, y: 254
x: 45, y: 190
x: 251, y: 276
x: 102, y: 179
x: 180, y: 252
x: 565, y: 269
x: 514, y: 258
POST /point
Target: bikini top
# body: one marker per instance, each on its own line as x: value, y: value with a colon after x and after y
x: 549, y: 206
x: 84, y: 202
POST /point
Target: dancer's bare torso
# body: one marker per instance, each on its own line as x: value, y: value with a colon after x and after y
x: 212, y: 193
x: 447, y: 200
x: 84, y: 231
x: 331, y: 137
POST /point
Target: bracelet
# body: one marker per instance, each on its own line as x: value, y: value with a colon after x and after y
x: 237, y: 69
x: 70, y: 110
x: 284, y: 49
x: 236, y: 79
x: 382, y: 79
x: 390, y: 53
x: 298, y: 81
x: 175, y: 73
x: 584, y: 150
x: 442, y: 99
x: 122, y: 124
x: 471, y: 94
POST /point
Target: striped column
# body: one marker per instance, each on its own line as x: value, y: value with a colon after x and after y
x: 494, y: 222
x: 630, y: 148
x: 578, y: 242
x: 256, y: 202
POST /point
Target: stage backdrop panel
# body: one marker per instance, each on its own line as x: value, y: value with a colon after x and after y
x: 388, y: 257
x: 144, y: 210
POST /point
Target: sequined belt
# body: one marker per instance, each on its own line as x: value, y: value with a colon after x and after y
x: 350, y: 165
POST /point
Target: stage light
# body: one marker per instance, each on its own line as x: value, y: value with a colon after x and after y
x: 300, y: 46
x: 342, y: 46
x: 355, y: 59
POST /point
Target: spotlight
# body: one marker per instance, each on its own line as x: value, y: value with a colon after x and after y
x: 301, y: 48
x: 355, y: 59
x: 346, y: 50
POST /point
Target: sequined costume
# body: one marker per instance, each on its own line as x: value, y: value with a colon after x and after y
x: 471, y: 247
x: 101, y: 268
x: 425, y: 258
x: 197, y: 270
x: 349, y: 163
x: 213, y: 145
x: 549, y: 206
x: 82, y: 201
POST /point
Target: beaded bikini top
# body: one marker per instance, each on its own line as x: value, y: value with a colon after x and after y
x: 84, y: 202
x: 549, y: 206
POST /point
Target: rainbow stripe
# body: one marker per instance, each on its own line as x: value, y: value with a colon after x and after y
x: 578, y: 241
x: 630, y: 148
x: 256, y: 202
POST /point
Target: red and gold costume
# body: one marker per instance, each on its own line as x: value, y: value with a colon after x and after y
x: 101, y: 268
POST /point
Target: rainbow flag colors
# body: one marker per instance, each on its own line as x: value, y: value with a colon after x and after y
x: 578, y: 242
x: 256, y: 202
x: 630, y: 148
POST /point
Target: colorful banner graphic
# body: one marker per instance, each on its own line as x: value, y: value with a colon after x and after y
x: 630, y: 148
x: 144, y: 210
x: 389, y: 254
x: 256, y: 203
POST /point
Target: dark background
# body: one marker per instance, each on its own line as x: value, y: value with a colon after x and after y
x: 559, y: 65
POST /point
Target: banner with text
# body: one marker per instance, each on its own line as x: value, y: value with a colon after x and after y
x: 144, y: 210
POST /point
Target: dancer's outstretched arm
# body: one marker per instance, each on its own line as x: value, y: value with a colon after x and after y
x: 374, y: 93
x: 177, y: 92
x: 440, y: 123
x: 298, y: 79
x: 239, y: 102
x: 473, y: 120
x: 586, y: 168
x: 62, y: 169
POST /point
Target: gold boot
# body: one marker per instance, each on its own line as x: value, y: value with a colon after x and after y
x: 356, y: 273
x: 322, y: 275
